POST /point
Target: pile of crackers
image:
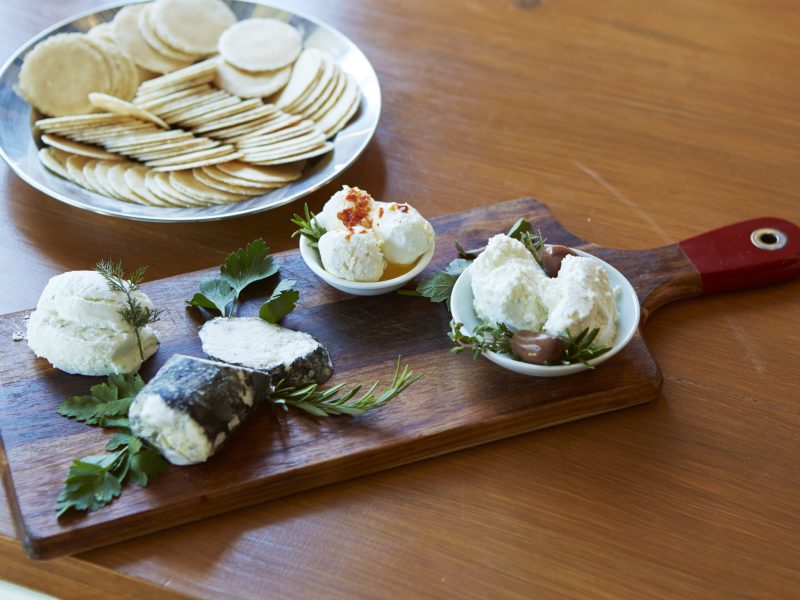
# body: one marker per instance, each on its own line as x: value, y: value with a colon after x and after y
x: 184, y: 139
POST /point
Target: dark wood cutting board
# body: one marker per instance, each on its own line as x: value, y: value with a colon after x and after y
x: 459, y: 403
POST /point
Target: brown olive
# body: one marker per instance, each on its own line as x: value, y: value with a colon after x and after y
x: 552, y: 257
x: 537, y: 348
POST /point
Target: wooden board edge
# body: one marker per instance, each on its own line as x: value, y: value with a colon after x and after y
x: 114, y: 532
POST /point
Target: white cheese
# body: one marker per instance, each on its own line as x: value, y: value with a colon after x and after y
x: 78, y: 328
x: 177, y: 436
x: 329, y: 218
x: 353, y: 255
x: 580, y: 298
x: 404, y: 234
x: 254, y: 343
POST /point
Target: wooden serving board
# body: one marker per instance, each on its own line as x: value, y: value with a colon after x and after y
x: 459, y: 403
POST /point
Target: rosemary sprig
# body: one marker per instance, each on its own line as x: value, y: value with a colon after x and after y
x: 485, y: 337
x: 136, y: 315
x: 326, y: 403
x: 522, y: 230
x: 579, y: 348
x: 309, y: 227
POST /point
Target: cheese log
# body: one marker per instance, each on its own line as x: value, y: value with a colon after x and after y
x: 192, y: 406
x: 294, y: 357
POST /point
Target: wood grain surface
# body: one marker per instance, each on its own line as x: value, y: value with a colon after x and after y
x: 639, y: 124
x: 275, y: 454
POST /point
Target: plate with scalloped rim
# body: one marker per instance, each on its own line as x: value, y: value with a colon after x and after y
x: 19, y: 148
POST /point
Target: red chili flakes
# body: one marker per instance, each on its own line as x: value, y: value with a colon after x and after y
x: 380, y: 212
x: 403, y: 208
x: 358, y: 214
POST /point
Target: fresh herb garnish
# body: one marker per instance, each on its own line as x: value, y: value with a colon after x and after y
x: 325, y: 403
x: 498, y: 339
x: 308, y: 227
x: 485, y: 337
x: 439, y: 287
x: 95, y: 480
x: 136, y: 315
x: 107, y: 403
x: 243, y: 267
x: 282, y: 301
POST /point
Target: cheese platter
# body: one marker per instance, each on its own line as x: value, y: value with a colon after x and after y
x: 456, y: 404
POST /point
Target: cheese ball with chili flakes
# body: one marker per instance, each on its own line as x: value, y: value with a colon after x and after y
x: 353, y: 254
x: 347, y: 208
x: 403, y: 232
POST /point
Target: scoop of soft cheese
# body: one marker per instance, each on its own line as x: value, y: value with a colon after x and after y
x: 405, y: 233
x: 507, y: 285
x: 78, y: 328
x: 347, y: 208
x: 354, y: 254
x: 580, y: 298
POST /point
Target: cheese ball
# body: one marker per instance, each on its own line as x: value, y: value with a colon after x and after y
x: 404, y: 233
x: 347, y: 208
x: 354, y: 254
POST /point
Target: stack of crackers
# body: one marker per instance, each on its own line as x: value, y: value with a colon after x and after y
x: 200, y: 134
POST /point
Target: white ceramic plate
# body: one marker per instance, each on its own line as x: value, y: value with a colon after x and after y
x: 461, y: 307
x: 18, y: 147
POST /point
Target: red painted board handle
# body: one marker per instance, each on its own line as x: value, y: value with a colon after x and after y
x: 746, y: 254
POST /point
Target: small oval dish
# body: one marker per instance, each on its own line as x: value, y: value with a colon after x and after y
x: 461, y: 307
x: 361, y: 288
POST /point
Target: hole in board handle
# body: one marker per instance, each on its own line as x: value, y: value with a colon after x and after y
x: 768, y: 238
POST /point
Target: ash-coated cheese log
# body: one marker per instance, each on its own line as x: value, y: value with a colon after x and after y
x: 294, y: 357
x: 192, y: 406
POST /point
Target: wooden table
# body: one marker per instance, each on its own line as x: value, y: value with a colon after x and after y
x: 640, y: 124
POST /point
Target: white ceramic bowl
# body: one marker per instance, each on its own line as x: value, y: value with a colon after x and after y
x: 461, y: 307
x: 360, y: 288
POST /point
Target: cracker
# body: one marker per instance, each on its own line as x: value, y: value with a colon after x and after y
x: 342, y: 106
x: 121, y: 107
x: 323, y: 86
x: 307, y: 68
x: 115, y: 174
x: 191, y: 26
x: 332, y: 131
x: 55, y: 160
x: 186, y: 115
x: 81, y: 121
x: 318, y: 109
x: 101, y: 169
x: 186, y: 182
x: 156, y: 190
x: 280, y: 122
x: 327, y: 147
x: 241, y: 190
x: 260, y: 44
x: 159, y: 152
x: 163, y: 182
x: 255, y: 174
x: 73, y: 147
x: 201, y: 163
x: 202, y: 72
x: 191, y: 157
x: 152, y: 38
x: 288, y: 133
x: 58, y: 74
x: 94, y: 182
x: 103, y: 32
x: 75, y: 164
x: 135, y: 178
x: 224, y: 112
x: 174, y: 96
x: 248, y: 118
x: 251, y: 85
x: 183, y: 104
x: 268, y: 154
x: 143, y: 96
x: 129, y: 38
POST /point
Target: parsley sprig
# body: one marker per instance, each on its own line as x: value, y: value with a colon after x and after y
x: 326, y: 403
x: 94, y: 481
x: 308, y: 226
x: 136, y: 315
x: 243, y: 267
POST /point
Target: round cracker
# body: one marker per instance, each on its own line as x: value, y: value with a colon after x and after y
x: 55, y: 160
x: 59, y: 73
x: 135, y: 179
x: 270, y: 126
x: 250, y: 117
x: 92, y: 180
x: 202, y: 72
x: 130, y: 39
x: 73, y: 147
x: 121, y: 107
x: 305, y: 72
x: 260, y: 44
x: 103, y: 32
x: 251, y: 85
x: 258, y: 174
x: 241, y: 190
x: 191, y: 146
x: 224, y: 112
x: 344, y: 104
x: 163, y: 182
x: 291, y: 136
x: 152, y: 38
x: 174, y: 96
x: 316, y: 111
x: 115, y: 174
x: 219, y: 176
x: 191, y: 26
x: 323, y: 86
x: 186, y: 115
x: 332, y: 131
x: 201, y: 163
x: 155, y: 189
x: 191, y: 157
x: 186, y: 182
x: 324, y: 149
